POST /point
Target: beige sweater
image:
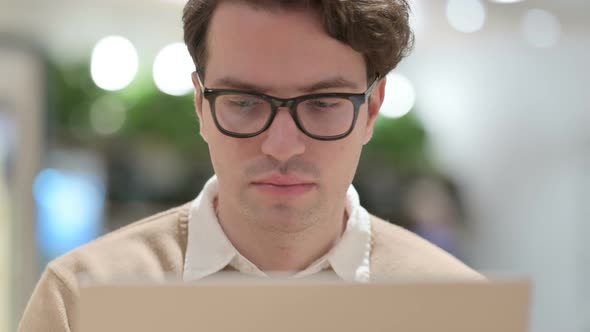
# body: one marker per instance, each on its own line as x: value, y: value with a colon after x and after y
x: 154, y: 249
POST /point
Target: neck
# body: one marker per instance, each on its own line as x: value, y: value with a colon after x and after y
x: 282, y: 251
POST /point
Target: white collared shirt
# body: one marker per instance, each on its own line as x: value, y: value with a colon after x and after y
x: 210, y: 251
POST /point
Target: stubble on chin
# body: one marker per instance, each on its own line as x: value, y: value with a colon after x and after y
x: 282, y: 217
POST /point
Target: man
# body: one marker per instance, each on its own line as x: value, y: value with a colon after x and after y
x: 287, y: 93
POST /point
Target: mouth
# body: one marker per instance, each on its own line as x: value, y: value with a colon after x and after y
x: 280, y: 185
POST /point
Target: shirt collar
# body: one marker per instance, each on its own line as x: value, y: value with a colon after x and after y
x: 209, y: 250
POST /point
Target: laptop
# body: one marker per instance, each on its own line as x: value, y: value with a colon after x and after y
x: 271, y: 306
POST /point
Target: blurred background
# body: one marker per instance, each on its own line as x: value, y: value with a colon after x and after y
x: 483, y: 145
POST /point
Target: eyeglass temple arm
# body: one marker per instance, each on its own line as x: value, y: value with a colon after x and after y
x: 373, y: 85
x: 201, y: 85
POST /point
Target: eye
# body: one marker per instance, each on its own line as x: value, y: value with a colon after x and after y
x: 243, y: 103
x: 324, y: 103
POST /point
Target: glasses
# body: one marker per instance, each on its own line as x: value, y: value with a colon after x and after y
x: 326, y: 116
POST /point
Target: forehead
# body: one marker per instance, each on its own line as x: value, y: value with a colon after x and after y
x: 278, y: 47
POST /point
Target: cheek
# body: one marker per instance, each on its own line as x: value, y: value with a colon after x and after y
x: 340, y: 160
x: 221, y: 148
x: 229, y: 155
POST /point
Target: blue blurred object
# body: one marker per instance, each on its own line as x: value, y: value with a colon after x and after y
x: 70, y: 207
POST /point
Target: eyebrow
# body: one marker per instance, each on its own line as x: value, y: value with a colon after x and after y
x: 337, y: 82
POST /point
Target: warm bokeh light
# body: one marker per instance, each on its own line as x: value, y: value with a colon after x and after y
x: 114, y: 63
x: 466, y: 15
x: 400, y: 96
x: 172, y: 70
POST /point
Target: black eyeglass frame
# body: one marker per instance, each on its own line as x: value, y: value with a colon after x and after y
x: 357, y: 99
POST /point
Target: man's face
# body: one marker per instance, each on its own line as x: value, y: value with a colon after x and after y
x: 282, y: 180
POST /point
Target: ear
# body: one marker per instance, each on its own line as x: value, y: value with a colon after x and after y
x: 199, y: 104
x: 374, y: 104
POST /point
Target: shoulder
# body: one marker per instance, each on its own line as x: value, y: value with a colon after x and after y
x: 150, y: 248
x: 399, y: 253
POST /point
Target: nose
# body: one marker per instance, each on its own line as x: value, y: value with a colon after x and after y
x: 283, y: 140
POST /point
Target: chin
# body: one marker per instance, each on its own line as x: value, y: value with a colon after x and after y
x: 285, y: 218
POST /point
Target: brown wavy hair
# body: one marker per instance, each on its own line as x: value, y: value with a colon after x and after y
x: 378, y: 29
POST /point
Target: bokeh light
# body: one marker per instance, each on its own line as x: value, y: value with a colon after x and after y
x: 466, y: 15
x: 541, y: 28
x: 114, y: 63
x: 400, y: 96
x: 418, y: 18
x: 70, y: 207
x: 506, y: 1
x: 107, y: 115
x: 172, y: 70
